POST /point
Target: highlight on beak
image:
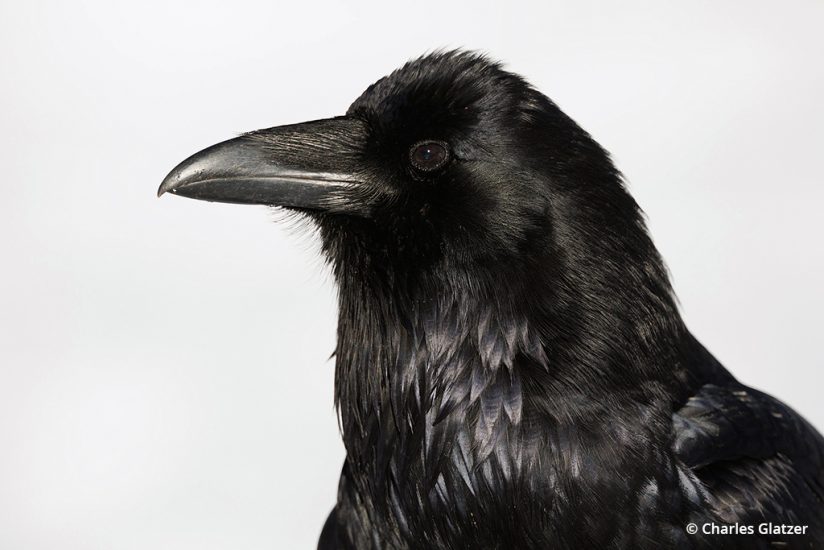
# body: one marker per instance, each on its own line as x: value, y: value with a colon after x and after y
x: 310, y: 165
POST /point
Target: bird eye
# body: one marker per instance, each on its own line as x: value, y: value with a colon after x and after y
x: 428, y: 156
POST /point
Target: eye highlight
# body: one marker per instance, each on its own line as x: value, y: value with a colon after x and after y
x: 428, y: 156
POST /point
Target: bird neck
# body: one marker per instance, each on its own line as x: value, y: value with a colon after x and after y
x: 411, y: 355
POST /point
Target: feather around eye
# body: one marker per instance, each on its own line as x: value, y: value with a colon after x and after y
x: 428, y: 156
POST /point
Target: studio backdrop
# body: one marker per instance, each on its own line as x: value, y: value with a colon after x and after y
x: 165, y: 370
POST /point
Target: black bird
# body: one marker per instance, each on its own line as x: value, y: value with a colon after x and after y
x: 511, y: 367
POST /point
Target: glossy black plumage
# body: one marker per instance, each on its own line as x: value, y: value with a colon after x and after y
x: 511, y: 368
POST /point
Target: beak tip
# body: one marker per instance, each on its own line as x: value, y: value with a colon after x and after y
x: 169, y: 183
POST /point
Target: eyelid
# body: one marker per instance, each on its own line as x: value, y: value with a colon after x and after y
x: 440, y: 143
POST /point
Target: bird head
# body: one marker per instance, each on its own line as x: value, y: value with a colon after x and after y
x: 448, y: 167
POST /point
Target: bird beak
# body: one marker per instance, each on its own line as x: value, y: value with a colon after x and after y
x: 312, y: 166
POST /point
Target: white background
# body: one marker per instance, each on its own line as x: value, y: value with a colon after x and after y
x: 164, y: 373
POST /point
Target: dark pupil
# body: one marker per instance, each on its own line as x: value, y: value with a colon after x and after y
x: 429, y: 156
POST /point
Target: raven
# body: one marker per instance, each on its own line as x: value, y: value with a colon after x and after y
x: 512, y: 370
